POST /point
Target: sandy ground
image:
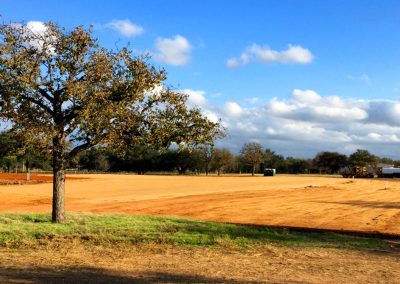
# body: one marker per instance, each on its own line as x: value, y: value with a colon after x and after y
x: 303, y: 201
x: 74, y: 263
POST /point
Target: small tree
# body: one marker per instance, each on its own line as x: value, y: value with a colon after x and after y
x: 297, y: 165
x: 63, y: 87
x: 14, y: 150
x: 274, y: 161
x: 220, y: 159
x: 205, y: 152
x: 8, y: 148
x: 252, y: 154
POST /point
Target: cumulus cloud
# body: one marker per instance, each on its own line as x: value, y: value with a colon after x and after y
x: 253, y: 100
x: 307, y: 105
x: 232, y: 109
x: 212, y: 116
x: 37, y: 27
x: 196, y: 98
x: 294, y: 54
x: 125, y: 27
x: 173, y: 51
x: 307, y: 122
x: 306, y: 96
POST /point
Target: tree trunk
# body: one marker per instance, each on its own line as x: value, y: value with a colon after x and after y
x: 219, y: 172
x: 28, y: 173
x: 253, y: 170
x: 58, y: 212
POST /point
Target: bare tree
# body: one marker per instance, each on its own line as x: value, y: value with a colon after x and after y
x: 252, y: 154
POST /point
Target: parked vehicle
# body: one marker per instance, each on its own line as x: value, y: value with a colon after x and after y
x: 390, y: 173
x: 269, y: 172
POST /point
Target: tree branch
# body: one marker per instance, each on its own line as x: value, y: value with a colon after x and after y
x: 79, y: 148
x: 45, y: 94
x: 39, y: 103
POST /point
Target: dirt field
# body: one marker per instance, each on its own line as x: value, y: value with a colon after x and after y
x: 20, y: 178
x: 300, y: 201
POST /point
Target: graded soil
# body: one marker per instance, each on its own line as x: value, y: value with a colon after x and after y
x: 365, y: 205
x: 21, y: 178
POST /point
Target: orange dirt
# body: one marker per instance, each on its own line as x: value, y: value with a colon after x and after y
x: 15, y: 178
x: 300, y: 201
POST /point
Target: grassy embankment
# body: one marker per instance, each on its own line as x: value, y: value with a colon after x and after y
x: 20, y: 230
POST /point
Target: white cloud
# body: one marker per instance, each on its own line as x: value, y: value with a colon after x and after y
x: 253, y: 100
x: 195, y: 97
x: 125, y: 27
x: 306, y: 96
x: 37, y: 27
x: 307, y: 105
x: 294, y: 54
x: 174, y: 51
x: 307, y: 122
x: 232, y: 109
x: 247, y: 126
x: 211, y: 116
x: 232, y: 63
x: 374, y: 136
x: 279, y: 107
x: 335, y: 101
x: 37, y: 35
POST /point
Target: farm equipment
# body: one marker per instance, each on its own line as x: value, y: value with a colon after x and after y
x: 371, y: 172
x: 359, y: 172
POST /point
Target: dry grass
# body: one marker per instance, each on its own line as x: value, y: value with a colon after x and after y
x: 155, y: 263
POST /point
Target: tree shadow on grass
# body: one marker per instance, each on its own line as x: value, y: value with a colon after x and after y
x: 210, y: 232
x: 42, y: 275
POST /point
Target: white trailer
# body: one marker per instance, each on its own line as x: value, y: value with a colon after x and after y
x: 390, y: 172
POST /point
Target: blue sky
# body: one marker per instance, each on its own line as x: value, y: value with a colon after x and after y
x: 297, y: 76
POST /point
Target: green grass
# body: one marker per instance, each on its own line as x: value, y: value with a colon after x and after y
x: 27, y: 229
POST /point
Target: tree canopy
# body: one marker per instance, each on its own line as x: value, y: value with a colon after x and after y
x: 221, y: 158
x: 330, y: 162
x: 363, y: 158
x: 62, y: 89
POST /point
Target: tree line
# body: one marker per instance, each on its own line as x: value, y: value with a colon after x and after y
x: 203, y: 159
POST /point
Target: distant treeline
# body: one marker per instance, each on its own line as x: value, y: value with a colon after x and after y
x: 253, y: 158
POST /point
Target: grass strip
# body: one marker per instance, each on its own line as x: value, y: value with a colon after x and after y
x: 17, y: 229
